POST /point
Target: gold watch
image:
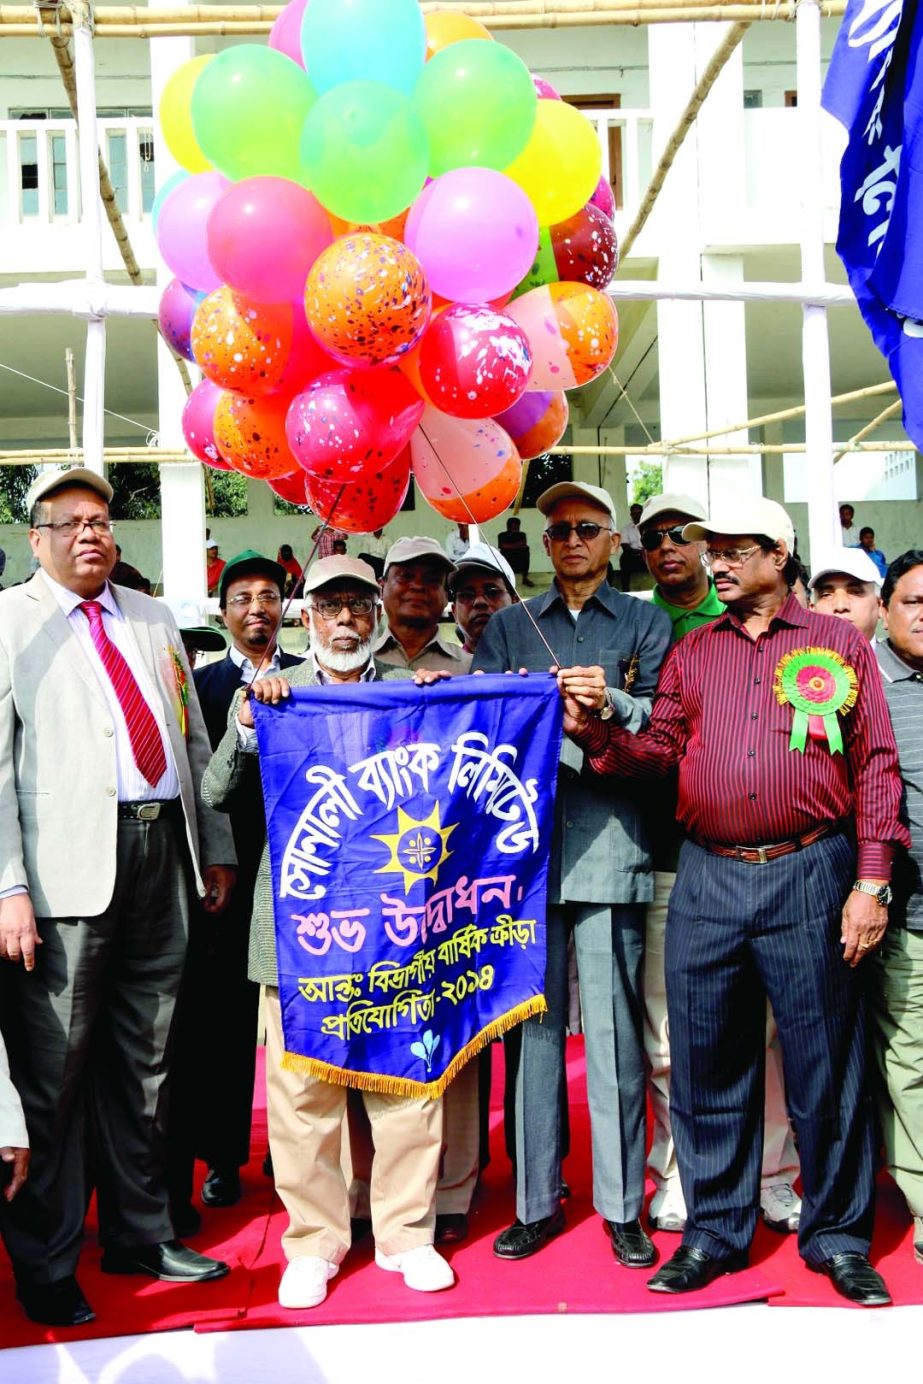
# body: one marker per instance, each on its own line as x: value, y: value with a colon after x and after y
x: 881, y: 893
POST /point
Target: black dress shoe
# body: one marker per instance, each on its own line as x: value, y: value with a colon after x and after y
x: 631, y: 1244
x: 221, y: 1187
x: 55, y: 1304
x: 853, y: 1277
x: 185, y: 1219
x: 359, y: 1228
x: 171, y: 1262
x: 451, y: 1229
x: 518, y: 1241
x: 690, y: 1269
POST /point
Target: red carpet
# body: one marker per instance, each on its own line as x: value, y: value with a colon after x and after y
x: 575, y: 1273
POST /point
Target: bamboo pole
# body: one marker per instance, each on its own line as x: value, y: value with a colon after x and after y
x: 783, y: 415
x: 71, y: 398
x: 704, y: 85
x: 20, y: 21
x: 885, y: 414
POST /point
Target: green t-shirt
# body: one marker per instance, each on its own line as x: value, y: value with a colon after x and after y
x: 684, y: 620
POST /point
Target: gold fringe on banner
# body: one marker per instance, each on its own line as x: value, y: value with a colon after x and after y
x: 403, y: 1086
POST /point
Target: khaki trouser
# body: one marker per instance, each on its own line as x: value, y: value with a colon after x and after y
x: 897, y: 1028
x: 780, y: 1159
x: 305, y: 1137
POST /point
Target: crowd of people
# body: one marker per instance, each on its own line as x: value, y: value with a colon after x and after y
x: 734, y: 910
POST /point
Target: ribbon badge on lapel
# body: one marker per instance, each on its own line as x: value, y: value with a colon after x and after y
x: 818, y: 683
x: 181, y: 685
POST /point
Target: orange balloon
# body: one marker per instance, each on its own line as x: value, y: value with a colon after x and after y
x: 447, y: 26
x: 393, y: 227
x: 250, y: 435
x: 488, y: 501
x: 367, y: 299
x: 241, y: 344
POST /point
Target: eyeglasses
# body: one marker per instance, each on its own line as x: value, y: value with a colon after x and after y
x: 731, y: 557
x: 329, y: 607
x: 263, y: 598
x: 651, y: 539
x: 468, y: 595
x: 586, y: 531
x: 69, y: 527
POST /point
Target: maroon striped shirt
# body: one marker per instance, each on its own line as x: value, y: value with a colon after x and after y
x: 716, y: 715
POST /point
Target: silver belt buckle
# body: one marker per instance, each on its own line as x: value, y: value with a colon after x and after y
x: 762, y: 857
x: 148, y: 812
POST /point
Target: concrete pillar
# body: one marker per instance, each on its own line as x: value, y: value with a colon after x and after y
x: 182, y: 490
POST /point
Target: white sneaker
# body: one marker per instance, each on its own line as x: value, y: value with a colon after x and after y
x: 424, y: 1269
x: 304, y: 1283
x: 781, y: 1207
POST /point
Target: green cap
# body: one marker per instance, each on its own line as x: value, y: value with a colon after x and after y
x: 251, y: 561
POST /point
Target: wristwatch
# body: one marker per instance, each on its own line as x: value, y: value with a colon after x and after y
x: 607, y: 710
x: 881, y: 893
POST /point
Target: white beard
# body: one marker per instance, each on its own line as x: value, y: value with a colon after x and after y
x: 345, y: 660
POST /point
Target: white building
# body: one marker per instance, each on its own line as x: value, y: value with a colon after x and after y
x: 733, y: 210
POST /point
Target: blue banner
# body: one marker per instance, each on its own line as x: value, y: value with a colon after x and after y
x: 409, y: 832
x: 873, y: 89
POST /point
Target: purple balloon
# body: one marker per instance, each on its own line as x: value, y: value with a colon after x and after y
x: 603, y: 197
x: 475, y: 232
x: 544, y: 90
x: 177, y: 309
x: 181, y: 230
x: 199, y: 424
x: 285, y: 34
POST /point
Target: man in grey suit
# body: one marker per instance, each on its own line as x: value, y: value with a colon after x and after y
x: 599, y: 882
x: 102, y: 747
x: 342, y: 607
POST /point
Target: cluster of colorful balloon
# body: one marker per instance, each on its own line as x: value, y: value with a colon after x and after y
x: 391, y: 244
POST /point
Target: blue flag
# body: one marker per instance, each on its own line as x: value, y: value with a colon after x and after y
x: 872, y: 87
x: 409, y: 832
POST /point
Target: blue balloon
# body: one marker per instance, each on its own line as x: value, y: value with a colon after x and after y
x: 169, y: 186
x: 363, y: 40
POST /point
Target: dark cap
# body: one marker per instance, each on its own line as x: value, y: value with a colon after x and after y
x: 243, y: 564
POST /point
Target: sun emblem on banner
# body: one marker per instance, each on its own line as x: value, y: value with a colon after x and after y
x: 417, y: 849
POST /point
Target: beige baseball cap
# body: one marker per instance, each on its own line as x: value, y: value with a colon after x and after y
x: 484, y: 558
x: 413, y: 549
x: 853, y: 561
x: 328, y: 569
x: 745, y: 514
x: 579, y: 490
x: 675, y: 503
x: 49, y: 481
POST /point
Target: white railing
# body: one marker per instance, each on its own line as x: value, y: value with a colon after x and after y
x: 626, y: 137
x: 39, y: 169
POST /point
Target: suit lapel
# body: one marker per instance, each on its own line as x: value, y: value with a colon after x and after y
x: 55, y: 627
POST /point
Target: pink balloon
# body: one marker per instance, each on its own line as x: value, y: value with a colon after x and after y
x: 307, y: 359
x: 199, y: 424
x: 456, y: 456
x: 263, y: 236
x: 603, y: 197
x: 348, y: 424
x: 544, y: 90
x: 175, y: 313
x: 474, y: 362
x: 181, y: 236
x: 475, y: 232
x: 285, y: 34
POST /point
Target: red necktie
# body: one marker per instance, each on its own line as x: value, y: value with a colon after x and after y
x: 143, y: 731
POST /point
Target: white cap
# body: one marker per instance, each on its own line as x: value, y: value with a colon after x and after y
x: 745, y: 514
x: 853, y: 561
x: 416, y: 550
x: 577, y: 490
x: 210, y: 543
x: 49, y: 481
x: 671, y: 504
x: 482, y: 555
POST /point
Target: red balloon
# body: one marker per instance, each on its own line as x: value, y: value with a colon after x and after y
x: 306, y: 359
x: 366, y: 505
x: 199, y: 424
x: 250, y: 435
x: 347, y: 424
x: 585, y: 248
x: 242, y: 344
x: 289, y: 488
x: 474, y: 362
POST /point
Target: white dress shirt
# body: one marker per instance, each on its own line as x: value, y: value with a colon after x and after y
x: 247, y: 667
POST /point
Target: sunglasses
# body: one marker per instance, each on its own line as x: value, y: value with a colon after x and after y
x: 586, y: 531
x: 651, y: 539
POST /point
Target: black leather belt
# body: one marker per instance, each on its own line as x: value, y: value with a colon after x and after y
x: 148, y: 811
x: 761, y: 855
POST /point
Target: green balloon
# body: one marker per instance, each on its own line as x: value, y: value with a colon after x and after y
x: 477, y: 103
x: 364, y: 152
x: 248, y: 111
x: 544, y: 268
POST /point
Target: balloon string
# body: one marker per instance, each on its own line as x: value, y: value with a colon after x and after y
x: 495, y: 551
x: 324, y: 525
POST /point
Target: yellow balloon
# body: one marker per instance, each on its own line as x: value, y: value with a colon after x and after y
x: 560, y: 166
x: 447, y: 26
x: 176, y: 117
